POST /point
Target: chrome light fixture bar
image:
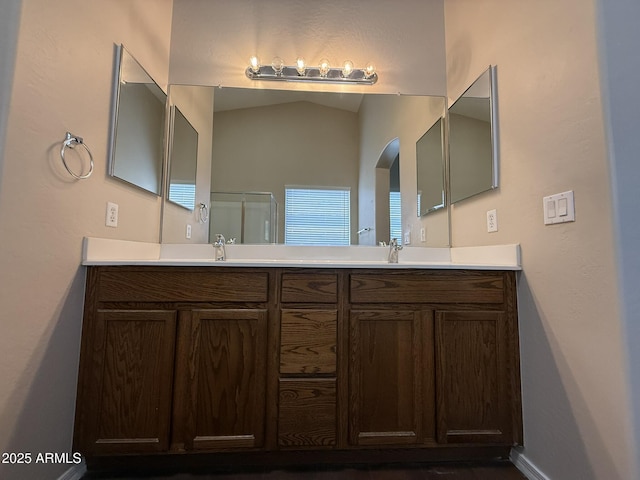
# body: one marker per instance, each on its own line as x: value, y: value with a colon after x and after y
x: 300, y: 72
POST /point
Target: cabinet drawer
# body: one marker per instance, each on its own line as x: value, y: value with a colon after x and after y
x: 427, y: 287
x: 307, y: 415
x: 308, y: 341
x: 175, y: 285
x: 309, y: 288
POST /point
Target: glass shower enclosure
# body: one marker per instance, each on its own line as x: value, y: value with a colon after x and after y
x: 246, y: 217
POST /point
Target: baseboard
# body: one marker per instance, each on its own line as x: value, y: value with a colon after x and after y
x: 527, y: 468
x: 74, y: 473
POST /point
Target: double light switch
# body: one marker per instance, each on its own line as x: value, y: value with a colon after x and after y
x: 559, y: 208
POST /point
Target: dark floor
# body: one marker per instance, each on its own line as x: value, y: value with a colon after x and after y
x: 500, y: 471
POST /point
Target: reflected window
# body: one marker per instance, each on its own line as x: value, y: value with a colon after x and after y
x: 183, y: 194
x: 395, y: 217
x: 317, y: 216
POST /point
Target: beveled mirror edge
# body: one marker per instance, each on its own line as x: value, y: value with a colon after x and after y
x: 115, y: 102
x: 493, y: 102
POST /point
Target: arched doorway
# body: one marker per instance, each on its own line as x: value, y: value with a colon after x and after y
x: 387, y: 181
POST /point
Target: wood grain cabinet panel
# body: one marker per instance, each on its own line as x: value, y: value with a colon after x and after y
x: 130, y: 383
x: 175, y: 284
x: 384, y: 380
x: 308, y: 341
x: 227, y: 371
x: 307, y: 412
x: 309, y: 287
x: 427, y: 286
x: 474, y: 403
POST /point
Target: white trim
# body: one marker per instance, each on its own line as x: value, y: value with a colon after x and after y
x: 74, y: 473
x: 525, y: 465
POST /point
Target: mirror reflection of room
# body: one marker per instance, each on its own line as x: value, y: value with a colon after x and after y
x: 138, y: 125
x: 472, y: 146
x: 325, y: 146
x: 183, y: 161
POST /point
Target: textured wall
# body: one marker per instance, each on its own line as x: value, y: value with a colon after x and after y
x: 62, y: 81
x: 576, y: 412
x: 212, y: 41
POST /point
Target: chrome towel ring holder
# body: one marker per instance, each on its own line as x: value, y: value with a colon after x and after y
x: 71, y: 141
x: 203, y: 213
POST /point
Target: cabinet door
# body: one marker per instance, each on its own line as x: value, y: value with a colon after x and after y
x: 472, y: 383
x: 125, y: 404
x: 226, y: 387
x: 385, y: 385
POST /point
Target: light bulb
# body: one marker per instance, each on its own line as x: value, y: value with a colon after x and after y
x: 254, y: 64
x: 324, y: 67
x: 347, y: 68
x: 301, y: 67
x: 369, y: 70
x: 277, y: 64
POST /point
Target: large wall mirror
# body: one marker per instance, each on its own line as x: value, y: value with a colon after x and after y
x: 473, y: 146
x: 138, y: 125
x: 265, y: 141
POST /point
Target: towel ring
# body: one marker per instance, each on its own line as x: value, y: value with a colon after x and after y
x: 71, y: 141
x: 204, y: 213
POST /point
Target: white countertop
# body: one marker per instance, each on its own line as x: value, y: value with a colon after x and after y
x: 102, y: 251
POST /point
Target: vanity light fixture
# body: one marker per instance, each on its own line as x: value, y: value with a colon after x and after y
x: 301, y: 72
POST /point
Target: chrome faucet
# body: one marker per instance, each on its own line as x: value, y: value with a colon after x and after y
x: 218, y: 245
x: 394, y: 248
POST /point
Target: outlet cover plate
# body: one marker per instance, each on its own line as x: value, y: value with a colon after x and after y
x: 492, y: 221
x: 112, y: 215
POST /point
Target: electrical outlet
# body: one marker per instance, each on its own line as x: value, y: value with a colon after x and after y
x: 112, y: 215
x: 188, y: 232
x: 492, y: 221
x: 423, y: 234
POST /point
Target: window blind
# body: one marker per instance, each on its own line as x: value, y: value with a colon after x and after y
x: 183, y: 194
x: 317, y: 216
x: 395, y: 217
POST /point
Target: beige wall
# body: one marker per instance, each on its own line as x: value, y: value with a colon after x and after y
x: 212, y: 41
x: 62, y: 82
x: 576, y: 410
x: 264, y: 149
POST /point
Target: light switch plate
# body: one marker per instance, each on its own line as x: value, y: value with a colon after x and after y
x: 559, y: 208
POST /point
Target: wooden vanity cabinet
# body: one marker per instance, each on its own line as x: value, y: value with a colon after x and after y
x: 125, y: 388
x: 172, y: 359
x: 307, y: 374
x: 434, y: 358
x: 275, y: 360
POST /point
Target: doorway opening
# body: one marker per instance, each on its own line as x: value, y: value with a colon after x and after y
x: 388, y: 218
